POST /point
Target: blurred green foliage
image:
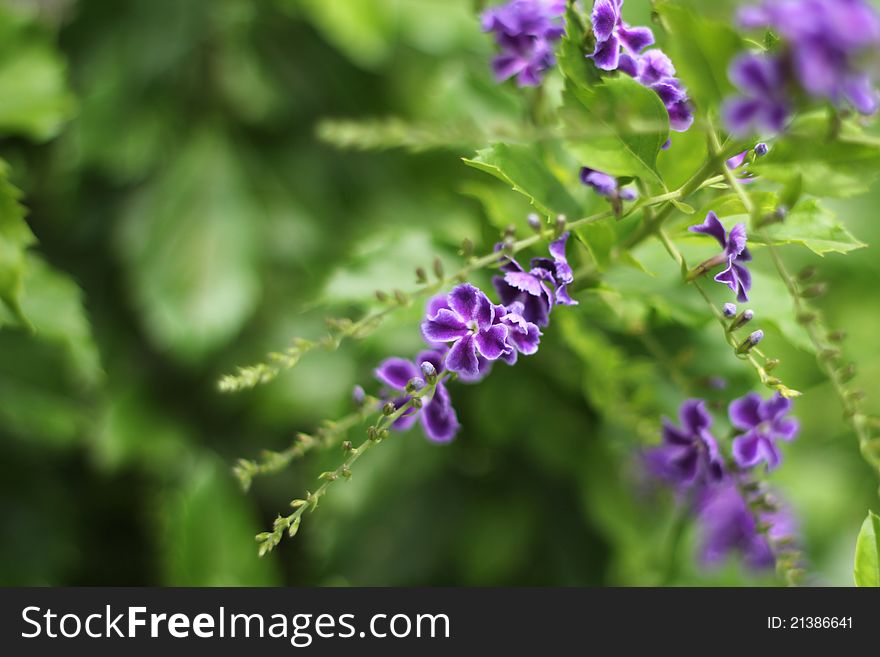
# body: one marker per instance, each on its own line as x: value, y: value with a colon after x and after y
x: 183, y: 218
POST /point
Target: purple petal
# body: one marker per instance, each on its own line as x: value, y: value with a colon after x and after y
x: 681, y: 115
x: 758, y: 75
x: 741, y: 115
x: 433, y: 356
x: 628, y: 64
x: 694, y: 417
x: 464, y: 300
x: 775, y: 407
x: 674, y: 436
x: 655, y: 66
x: 445, y: 326
x: 861, y: 93
x: 438, y: 417
x: 712, y: 226
x: 462, y: 358
x: 736, y: 241
x: 606, y: 56
x: 396, y: 372
x: 524, y: 281
x: 737, y: 160
x: 602, y: 183
x: 745, y: 412
x: 635, y: 39
x: 747, y: 450
x: 492, y: 342
x: 743, y: 281
x: 604, y: 18
x: 434, y: 305
x: 484, y: 366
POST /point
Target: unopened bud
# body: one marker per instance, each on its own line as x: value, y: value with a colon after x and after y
x: 388, y: 408
x: 771, y: 364
x: 807, y: 273
x: 761, y: 149
x: 421, y: 275
x: 415, y: 384
x: 837, y: 336
x: 510, y: 231
x: 729, y: 310
x: 742, y: 319
x: 815, y: 291
x: 438, y: 268
x: 358, y: 396
x: 429, y: 371
x: 347, y: 446
x: 750, y: 342
x: 416, y: 402
x: 467, y: 248
x: 534, y: 222
x: 848, y: 373
x: 381, y: 296
x: 561, y: 222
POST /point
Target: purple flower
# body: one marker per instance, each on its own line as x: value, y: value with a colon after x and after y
x: 470, y: 324
x: 688, y: 455
x: 525, y: 31
x: 736, y: 276
x: 763, y: 103
x: 540, y: 288
x: 437, y: 416
x: 764, y: 423
x: 726, y: 525
x: 612, y: 33
x: 523, y: 337
x: 606, y: 185
x: 830, y: 44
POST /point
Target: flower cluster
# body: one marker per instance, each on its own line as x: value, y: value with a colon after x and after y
x: 620, y: 46
x: 466, y: 332
x: 827, y: 52
x: 730, y: 509
x: 734, y: 254
x: 525, y: 32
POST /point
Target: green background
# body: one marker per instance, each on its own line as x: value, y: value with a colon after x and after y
x: 190, y: 219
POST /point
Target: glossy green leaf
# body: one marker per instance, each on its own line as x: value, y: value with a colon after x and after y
x: 617, y: 127
x: 867, y: 561
x: 702, y: 50
x: 525, y: 170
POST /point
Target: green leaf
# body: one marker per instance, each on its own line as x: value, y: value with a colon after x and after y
x: 190, y: 246
x: 839, y: 166
x: 867, y: 561
x: 15, y: 238
x: 702, y: 50
x: 617, y: 127
x: 525, y: 170
x: 34, y: 100
x: 809, y: 223
x: 54, y: 307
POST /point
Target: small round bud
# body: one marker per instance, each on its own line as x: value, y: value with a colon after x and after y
x: 771, y: 364
x: 415, y: 384
x: 628, y: 194
x: 438, y: 268
x: 780, y: 213
x: 837, y: 336
x: 358, y: 396
x: 388, y: 409
x: 467, y: 248
x: 421, y: 275
x: 847, y: 374
x: 807, y: 273
x: 381, y: 296
x: 729, y: 310
x: 347, y: 446
x: 428, y: 371
x: 510, y: 231
x: 561, y: 222
x: 534, y: 222
x: 761, y: 149
x: 416, y: 402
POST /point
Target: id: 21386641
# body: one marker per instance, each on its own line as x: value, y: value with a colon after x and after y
x: 810, y: 623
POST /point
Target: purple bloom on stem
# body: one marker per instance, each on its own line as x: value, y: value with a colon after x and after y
x: 764, y: 423
x: 689, y: 454
x: 606, y: 186
x: 437, y: 416
x: 736, y: 276
x: 830, y: 45
x: 525, y: 31
x: 612, y: 32
x: 470, y: 324
x: 726, y: 525
x: 533, y: 289
x: 523, y: 337
x: 763, y: 105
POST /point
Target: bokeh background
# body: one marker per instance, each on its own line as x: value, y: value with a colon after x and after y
x: 190, y: 219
